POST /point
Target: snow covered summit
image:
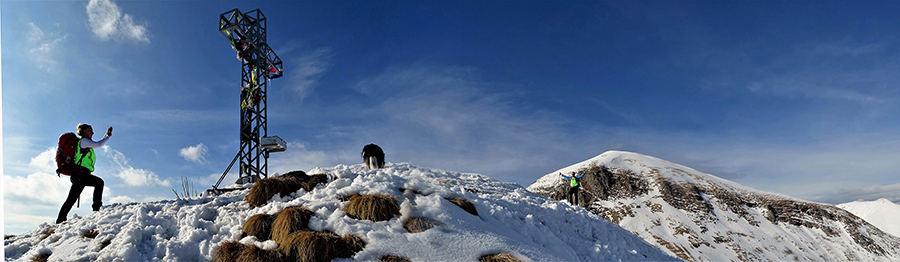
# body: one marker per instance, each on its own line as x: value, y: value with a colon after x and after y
x: 701, y: 217
x: 510, y: 220
x: 882, y: 213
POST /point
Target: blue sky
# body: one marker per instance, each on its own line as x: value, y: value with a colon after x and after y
x: 797, y: 98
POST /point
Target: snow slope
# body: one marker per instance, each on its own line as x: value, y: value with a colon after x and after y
x: 882, y: 213
x: 511, y: 219
x: 701, y: 217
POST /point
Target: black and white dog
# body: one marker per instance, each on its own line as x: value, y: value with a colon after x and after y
x: 373, y: 156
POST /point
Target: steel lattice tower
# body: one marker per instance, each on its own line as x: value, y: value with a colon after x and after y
x: 259, y: 64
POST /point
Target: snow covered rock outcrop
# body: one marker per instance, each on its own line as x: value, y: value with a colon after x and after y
x: 509, y: 220
x: 882, y: 213
x: 700, y: 217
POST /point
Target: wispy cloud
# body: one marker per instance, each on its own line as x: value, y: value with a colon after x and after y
x: 180, y: 116
x: 133, y: 176
x: 107, y: 21
x: 309, y: 69
x: 837, y: 70
x: 449, y: 117
x: 45, y: 49
x: 196, y: 154
x: 870, y: 193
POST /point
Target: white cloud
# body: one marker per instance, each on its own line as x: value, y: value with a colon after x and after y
x: 196, y: 154
x: 310, y: 69
x: 130, y: 175
x: 107, y: 21
x: 35, y: 199
x: 44, y: 49
x: 45, y: 162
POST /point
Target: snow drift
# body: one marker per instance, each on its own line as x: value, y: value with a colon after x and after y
x: 510, y: 220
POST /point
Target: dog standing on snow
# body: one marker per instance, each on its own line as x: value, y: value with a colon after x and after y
x: 373, y: 156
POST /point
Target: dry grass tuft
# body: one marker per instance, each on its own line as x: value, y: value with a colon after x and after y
x: 259, y: 225
x: 373, y: 207
x: 464, y: 204
x: 392, y: 258
x: 265, y: 188
x: 47, y: 234
x: 502, y: 257
x: 348, y: 246
x: 90, y: 234
x: 319, y: 246
x: 349, y: 197
x: 295, y: 174
x: 413, y: 190
x: 253, y: 253
x: 420, y: 224
x: 40, y: 258
x: 229, y: 251
x: 314, y: 180
x: 290, y: 220
x: 105, y: 244
x: 308, y: 246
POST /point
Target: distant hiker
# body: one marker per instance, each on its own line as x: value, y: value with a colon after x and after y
x: 572, y: 196
x: 84, y: 158
x: 373, y: 156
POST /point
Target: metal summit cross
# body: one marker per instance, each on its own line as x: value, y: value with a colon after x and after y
x: 246, y: 32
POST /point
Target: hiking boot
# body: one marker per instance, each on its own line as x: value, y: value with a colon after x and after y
x: 96, y: 207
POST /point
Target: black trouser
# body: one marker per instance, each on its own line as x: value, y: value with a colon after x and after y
x: 82, y: 178
x: 572, y: 196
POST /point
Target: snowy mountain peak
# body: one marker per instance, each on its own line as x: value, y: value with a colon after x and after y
x: 882, y: 213
x: 701, y: 217
x: 509, y: 220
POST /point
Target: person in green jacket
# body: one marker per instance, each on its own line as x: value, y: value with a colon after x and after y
x: 85, y: 158
x: 572, y: 196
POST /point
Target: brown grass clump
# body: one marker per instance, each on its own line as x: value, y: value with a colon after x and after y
x: 314, y: 180
x: 349, y: 246
x: 308, y: 246
x: 253, y: 253
x: 48, y: 233
x: 502, y: 257
x: 464, y: 204
x: 259, y: 225
x: 290, y: 220
x: 90, y: 234
x: 295, y: 174
x: 228, y: 251
x: 392, y: 258
x: 319, y: 246
x: 420, y: 224
x: 105, y: 244
x: 265, y: 188
x: 413, y: 190
x: 40, y: 258
x: 373, y: 207
x: 349, y: 197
